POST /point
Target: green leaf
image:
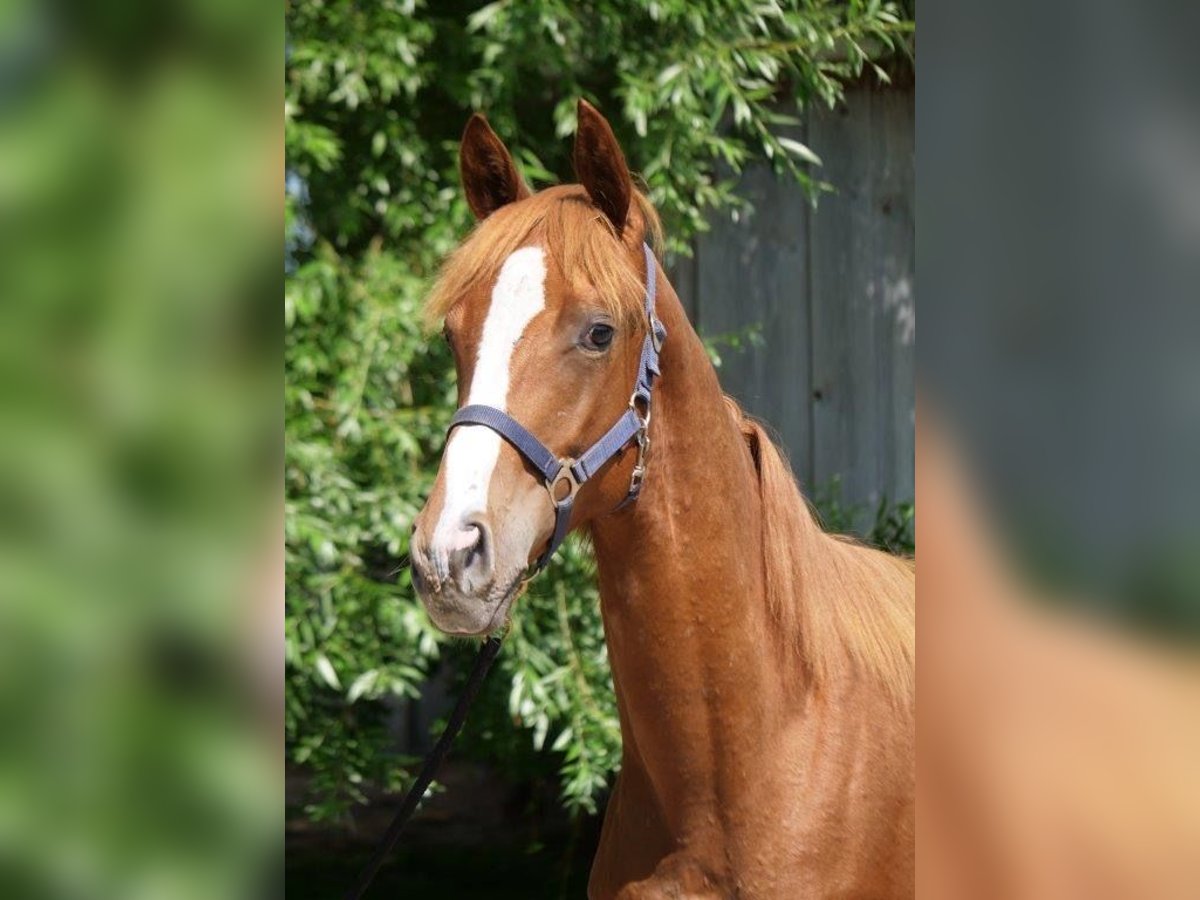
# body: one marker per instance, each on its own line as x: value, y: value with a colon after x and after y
x: 482, y: 17
x: 362, y: 684
x: 563, y: 739
x: 800, y: 150
x: 669, y: 74
x: 325, y: 670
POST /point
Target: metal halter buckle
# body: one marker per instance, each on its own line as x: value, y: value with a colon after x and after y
x: 643, y: 444
x: 565, y: 474
x: 639, y: 468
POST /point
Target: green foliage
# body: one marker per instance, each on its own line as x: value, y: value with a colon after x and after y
x: 376, y: 97
x: 735, y: 341
x: 889, y: 526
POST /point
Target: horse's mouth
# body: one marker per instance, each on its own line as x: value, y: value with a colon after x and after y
x: 499, y: 600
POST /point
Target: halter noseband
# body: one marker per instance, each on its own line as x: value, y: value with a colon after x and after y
x: 572, y: 474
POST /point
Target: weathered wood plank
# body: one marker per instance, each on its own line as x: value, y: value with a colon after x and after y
x: 751, y: 274
x: 863, y: 259
x: 833, y: 294
x: 681, y: 270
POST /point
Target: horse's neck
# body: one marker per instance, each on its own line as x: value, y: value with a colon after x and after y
x: 699, y: 685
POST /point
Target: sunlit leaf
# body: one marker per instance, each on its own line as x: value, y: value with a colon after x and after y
x: 326, y: 671
x: 798, y: 149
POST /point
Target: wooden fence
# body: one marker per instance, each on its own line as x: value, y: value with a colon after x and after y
x: 831, y: 293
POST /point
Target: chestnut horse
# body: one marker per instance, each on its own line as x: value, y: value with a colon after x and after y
x: 763, y: 669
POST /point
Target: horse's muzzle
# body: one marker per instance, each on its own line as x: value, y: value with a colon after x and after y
x: 454, y: 573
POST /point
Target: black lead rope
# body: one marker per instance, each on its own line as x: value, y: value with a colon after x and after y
x: 433, y: 762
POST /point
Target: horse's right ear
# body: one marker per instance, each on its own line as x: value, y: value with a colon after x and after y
x: 489, y: 175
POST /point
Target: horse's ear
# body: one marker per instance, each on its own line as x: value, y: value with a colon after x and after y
x: 600, y: 165
x: 489, y: 175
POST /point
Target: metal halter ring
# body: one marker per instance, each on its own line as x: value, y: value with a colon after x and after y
x: 565, y: 474
x: 643, y: 418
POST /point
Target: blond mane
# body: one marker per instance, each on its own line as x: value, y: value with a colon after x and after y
x: 573, y: 231
x: 838, y: 602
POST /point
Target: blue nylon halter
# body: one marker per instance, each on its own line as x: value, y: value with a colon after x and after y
x: 574, y: 473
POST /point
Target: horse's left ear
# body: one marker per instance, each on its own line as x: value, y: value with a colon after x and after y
x: 600, y: 165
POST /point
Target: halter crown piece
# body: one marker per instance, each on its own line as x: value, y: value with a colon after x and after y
x: 564, y: 477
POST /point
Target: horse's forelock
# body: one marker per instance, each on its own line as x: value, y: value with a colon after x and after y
x: 572, y: 232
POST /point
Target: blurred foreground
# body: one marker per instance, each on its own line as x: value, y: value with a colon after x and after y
x: 1058, y: 435
x: 140, y: 533
x: 1056, y: 757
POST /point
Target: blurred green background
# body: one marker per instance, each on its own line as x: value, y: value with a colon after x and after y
x: 139, y: 450
x: 376, y: 98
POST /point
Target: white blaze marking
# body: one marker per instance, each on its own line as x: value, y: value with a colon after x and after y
x: 472, y: 451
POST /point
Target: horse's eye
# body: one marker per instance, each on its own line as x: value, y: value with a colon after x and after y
x: 599, y: 336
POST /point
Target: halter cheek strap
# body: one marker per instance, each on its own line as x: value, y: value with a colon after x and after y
x: 564, y: 477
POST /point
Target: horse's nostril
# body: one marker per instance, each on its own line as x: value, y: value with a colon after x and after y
x: 475, y: 551
x: 469, y: 548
